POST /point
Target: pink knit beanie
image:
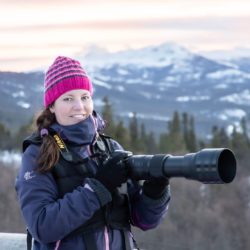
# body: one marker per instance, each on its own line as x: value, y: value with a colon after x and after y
x: 63, y: 75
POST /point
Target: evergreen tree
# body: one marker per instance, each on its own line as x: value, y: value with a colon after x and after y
x: 185, y: 128
x: 134, y: 133
x: 107, y: 114
x: 23, y: 132
x: 191, y: 142
x: 219, y: 138
x: 142, y: 140
x: 175, y: 135
x: 201, y: 144
x: 151, y: 145
x: 215, y: 140
x: 224, y: 138
x: 163, y: 143
x: 189, y: 132
x: 239, y: 143
x: 122, y: 135
x: 5, y: 137
x: 243, y: 124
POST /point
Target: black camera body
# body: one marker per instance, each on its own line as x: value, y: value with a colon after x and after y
x: 209, y: 166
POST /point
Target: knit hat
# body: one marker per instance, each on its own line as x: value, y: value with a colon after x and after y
x: 63, y: 75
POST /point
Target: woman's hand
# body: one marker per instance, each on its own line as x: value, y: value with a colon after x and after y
x: 114, y: 171
x: 155, y: 188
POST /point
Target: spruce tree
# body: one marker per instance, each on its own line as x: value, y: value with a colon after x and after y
x: 23, y: 132
x: 151, y: 145
x: 142, y: 140
x: 191, y: 143
x: 175, y: 136
x: 224, y: 138
x: 5, y: 137
x: 239, y: 143
x: 122, y: 135
x: 134, y: 133
x: 185, y: 128
x: 215, y: 140
x: 107, y: 114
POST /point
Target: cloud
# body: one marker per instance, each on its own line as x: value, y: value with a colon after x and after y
x: 45, y: 2
x: 194, y: 23
x: 29, y: 27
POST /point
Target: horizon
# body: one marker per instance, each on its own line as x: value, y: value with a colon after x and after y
x: 34, y: 33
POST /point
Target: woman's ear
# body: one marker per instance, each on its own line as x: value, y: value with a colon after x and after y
x: 52, y: 109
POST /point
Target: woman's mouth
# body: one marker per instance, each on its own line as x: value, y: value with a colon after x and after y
x: 78, y: 116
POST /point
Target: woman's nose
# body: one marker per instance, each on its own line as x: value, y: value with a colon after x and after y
x: 78, y: 105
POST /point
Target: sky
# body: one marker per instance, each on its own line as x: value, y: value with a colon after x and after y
x: 34, y: 32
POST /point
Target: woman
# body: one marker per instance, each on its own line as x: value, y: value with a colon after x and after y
x: 73, y: 185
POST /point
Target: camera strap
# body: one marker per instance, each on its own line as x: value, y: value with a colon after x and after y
x: 61, y: 146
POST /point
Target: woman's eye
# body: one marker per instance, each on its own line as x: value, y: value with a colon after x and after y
x: 85, y: 98
x: 67, y: 99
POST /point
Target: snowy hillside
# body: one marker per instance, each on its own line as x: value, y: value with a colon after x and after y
x: 152, y: 81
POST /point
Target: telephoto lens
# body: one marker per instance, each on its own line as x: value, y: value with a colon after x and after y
x: 209, y: 166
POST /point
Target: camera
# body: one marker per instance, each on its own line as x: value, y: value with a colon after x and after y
x: 209, y: 166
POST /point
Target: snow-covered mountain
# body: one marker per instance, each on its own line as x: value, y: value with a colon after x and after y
x: 153, y: 82
x: 237, y: 58
x: 156, y: 56
x: 227, y: 55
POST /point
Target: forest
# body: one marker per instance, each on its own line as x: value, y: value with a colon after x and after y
x: 200, y: 216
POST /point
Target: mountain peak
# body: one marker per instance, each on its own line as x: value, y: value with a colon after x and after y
x: 157, y: 55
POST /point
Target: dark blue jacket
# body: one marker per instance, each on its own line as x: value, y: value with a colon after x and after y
x: 50, y: 218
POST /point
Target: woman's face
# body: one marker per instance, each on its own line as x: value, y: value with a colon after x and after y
x: 72, y: 107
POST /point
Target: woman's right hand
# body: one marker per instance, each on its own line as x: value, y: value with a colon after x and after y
x: 114, y: 171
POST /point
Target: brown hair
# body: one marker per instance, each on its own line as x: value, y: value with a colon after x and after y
x: 49, y: 151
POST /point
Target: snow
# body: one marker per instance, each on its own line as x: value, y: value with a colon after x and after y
x: 102, y: 84
x: 24, y: 105
x: 171, y: 78
x: 10, y: 158
x: 196, y: 75
x: 122, y: 72
x: 104, y: 77
x: 192, y: 98
x: 145, y: 75
x: 235, y: 53
x: 98, y: 102
x: 156, y: 56
x: 146, y: 116
x: 228, y: 73
x: 134, y: 81
x: 120, y: 88
x: 232, y: 113
x: 242, y: 98
x: 236, y: 126
x: 146, y: 95
x: 12, y: 241
x: 182, y: 66
x: 40, y: 88
x: 164, y: 85
x: 221, y: 86
x: 18, y: 94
